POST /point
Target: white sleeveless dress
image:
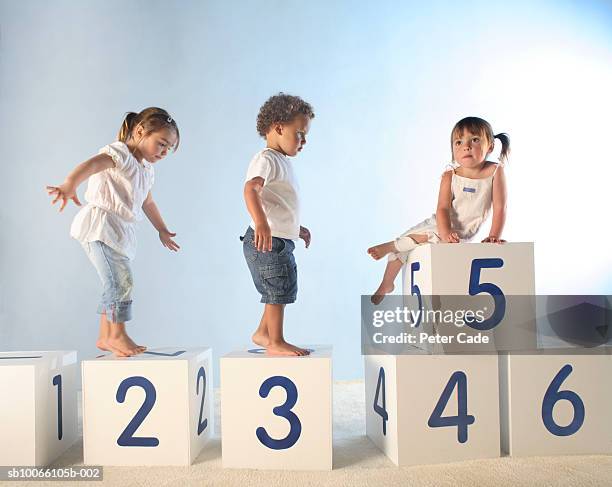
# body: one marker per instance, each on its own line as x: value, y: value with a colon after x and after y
x: 471, y: 203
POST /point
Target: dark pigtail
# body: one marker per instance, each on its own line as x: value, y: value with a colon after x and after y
x: 504, y: 138
x: 127, y: 126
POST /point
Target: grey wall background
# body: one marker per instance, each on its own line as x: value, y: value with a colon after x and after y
x: 387, y: 80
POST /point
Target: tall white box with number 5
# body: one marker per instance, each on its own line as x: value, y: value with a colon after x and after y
x: 151, y: 409
x: 425, y: 409
x: 38, y: 406
x: 276, y: 412
x: 490, y: 273
x: 556, y: 402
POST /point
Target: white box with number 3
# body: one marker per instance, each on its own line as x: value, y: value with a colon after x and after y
x: 151, y: 409
x: 38, y: 406
x: 276, y: 411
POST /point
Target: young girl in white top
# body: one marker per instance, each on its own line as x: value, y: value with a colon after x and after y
x: 118, y: 191
x: 467, y: 193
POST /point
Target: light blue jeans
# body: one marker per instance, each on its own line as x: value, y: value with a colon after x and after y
x: 116, y: 276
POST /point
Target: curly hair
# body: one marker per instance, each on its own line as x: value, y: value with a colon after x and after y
x: 281, y: 108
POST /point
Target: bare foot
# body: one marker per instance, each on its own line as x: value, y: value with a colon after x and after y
x: 261, y: 339
x: 123, y: 344
x: 284, y: 348
x: 379, y: 294
x: 101, y: 344
x: 379, y: 251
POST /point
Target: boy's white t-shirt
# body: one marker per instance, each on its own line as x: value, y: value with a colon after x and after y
x: 114, y: 201
x: 279, y: 194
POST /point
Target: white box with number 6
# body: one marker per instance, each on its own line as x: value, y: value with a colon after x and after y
x: 556, y: 403
x: 151, y: 409
x: 276, y: 412
x: 38, y: 406
x: 425, y: 409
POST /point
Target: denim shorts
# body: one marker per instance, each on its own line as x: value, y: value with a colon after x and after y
x: 116, y: 275
x: 275, y: 272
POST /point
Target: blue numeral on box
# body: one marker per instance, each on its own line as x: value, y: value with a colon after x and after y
x: 126, y: 438
x: 415, y: 291
x: 57, y: 381
x: 477, y: 287
x: 201, y: 375
x: 284, y: 411
x: 553, y: 394
x: 463, y: 419
x: 381, y: 410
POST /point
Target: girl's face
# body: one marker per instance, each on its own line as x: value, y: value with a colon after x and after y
x: 156, y: 145
x: 470, y: 150
x: 292, y: 135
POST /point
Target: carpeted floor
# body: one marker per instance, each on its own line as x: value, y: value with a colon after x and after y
x: 357, y: 462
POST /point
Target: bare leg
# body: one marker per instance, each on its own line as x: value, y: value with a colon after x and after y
x: 261, y: 337
x: 273, y: 316
x: 393, y: 267
x: 387, y: 285
x: 103, y: 335
x: 379, y: 251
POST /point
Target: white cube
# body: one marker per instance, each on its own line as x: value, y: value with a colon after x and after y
x: 490, y: 273
x: 276, y: 412
x: 151, y: 409
x: 38, y: 406
x: 556, y: 404
x: 425, y: 409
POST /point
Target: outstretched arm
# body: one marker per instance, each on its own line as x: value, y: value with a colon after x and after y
x: 67, y: 190
x: 263, y: 234
x: 499, y: 207
x: 150, y: 209
x: 443, y: 210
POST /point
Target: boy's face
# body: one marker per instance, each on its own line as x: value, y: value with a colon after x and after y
x: 291, y: 136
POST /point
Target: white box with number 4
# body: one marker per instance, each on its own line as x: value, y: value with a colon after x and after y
x: 276, y: 412
x: 151, y: 409
x: 425, y: 409
x: 38, y: 406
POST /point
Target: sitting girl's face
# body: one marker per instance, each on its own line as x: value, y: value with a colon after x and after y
x: 156, y: 145
x: 471, y: 150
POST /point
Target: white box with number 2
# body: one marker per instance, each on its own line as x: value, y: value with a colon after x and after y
x: 151, y: 409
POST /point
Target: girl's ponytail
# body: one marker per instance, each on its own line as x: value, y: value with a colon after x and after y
x: 127, y: 126
x: 505, y: 150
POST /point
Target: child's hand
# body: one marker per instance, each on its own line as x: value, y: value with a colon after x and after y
x: 493, y: 239
x: 64, y: 192
x: 451, y: 237
x: 305, y: 235
x: 166, y: 239
x: 263, y: 237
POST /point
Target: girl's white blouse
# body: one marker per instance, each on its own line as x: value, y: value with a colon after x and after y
x: 114, y: 201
